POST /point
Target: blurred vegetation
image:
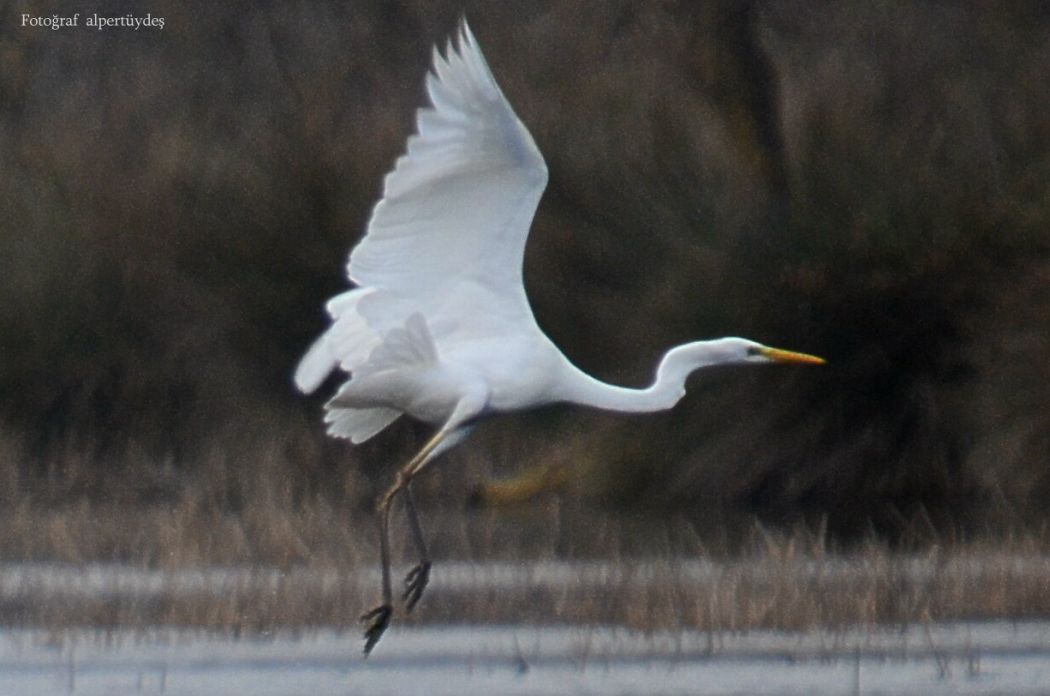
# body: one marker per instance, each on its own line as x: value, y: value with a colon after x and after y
x: 862, y: 180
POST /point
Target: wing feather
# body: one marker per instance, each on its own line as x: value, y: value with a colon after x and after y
x: 459, y: 203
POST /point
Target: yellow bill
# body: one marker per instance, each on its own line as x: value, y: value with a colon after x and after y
x: 787, y: 356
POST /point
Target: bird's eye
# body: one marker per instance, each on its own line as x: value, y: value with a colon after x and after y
x: 753, y: 351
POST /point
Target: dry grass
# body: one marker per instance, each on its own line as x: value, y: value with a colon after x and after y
x: 789, y: 582
x: 282, y: 552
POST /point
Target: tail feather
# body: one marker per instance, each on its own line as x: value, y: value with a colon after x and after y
x: 359, y: 424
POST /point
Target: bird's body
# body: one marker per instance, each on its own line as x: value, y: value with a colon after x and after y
x: 438, y: 326
x: 423, y: 372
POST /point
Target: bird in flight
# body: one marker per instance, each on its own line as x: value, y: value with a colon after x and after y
x: 437, y: 325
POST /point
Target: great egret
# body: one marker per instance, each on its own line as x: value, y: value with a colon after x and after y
x: 438, y: 326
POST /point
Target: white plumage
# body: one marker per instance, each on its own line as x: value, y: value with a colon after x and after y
x: 446, y: 241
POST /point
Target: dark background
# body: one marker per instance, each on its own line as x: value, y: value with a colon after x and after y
x: 867, y: 181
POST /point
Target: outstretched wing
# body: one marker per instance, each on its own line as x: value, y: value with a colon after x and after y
x: 446, y: 242
x: 456, y: 209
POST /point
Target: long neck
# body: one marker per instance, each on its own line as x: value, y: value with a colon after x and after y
x: 665, y: 391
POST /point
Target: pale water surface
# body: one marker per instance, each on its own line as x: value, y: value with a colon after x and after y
x: 963, y: 658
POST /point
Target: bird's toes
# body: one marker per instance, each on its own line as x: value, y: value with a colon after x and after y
x: 415, y: 582
x: 377, y: 619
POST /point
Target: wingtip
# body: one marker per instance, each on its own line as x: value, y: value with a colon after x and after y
x: 455, y: 47
x: 466, y: 36
x: 435, y: 56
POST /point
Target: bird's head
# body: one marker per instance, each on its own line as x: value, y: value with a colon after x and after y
x: 742, y: 350
x: 679, y: 362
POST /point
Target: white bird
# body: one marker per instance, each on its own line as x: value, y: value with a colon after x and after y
x: 438, y: 326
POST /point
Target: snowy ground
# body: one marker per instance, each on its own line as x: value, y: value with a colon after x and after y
x: 965, y: 658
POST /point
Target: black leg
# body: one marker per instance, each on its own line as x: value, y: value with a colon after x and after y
x: 379, y: 618
x: 417, y: 578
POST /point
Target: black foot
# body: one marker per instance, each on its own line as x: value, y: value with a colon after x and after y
x: 415, y: 583
x: 378, y: 619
